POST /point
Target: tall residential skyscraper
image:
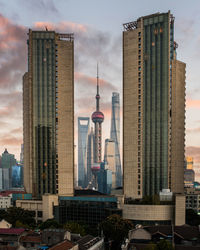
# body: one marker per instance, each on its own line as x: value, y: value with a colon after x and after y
x: 115, y: 135
x: 48, y: 114
x: 83, y: 129
x: 153, y: 107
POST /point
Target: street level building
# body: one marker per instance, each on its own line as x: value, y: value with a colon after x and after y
x: 48, y: 114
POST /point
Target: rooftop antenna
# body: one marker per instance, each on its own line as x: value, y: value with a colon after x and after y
x: 97, y: 78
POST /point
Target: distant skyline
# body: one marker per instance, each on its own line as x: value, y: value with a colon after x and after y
x: 97, y: 26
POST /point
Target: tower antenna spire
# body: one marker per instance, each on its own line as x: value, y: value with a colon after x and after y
x: 97, y: 78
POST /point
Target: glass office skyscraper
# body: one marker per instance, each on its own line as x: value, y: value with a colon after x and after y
x: 83, y: 129
x: 115, y: 136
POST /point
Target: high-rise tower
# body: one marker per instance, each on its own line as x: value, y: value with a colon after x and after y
x: 83, y: 128
x: 97, y: 118
x: 115, y: 135
x: 48, y: 114
x: 153, y: 107
x: 90, y: 155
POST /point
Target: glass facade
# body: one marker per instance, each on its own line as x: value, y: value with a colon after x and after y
x: 89, y: 210
x: 115, y: 135
x: 156, y: 102
x: 83, y: 128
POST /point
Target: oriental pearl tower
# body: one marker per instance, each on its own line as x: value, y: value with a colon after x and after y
x: 97, y: 118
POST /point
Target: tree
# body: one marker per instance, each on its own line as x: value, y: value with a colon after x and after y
x: 161, y: 245
x: 21, y: 215
x: 50, y: 223
x: 164, y: 245
x: 192, y: 218
x: 74, y: 227
x: 115, y: 229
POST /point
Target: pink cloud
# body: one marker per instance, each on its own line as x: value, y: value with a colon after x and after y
x: 192, y: 103
x: 92, y: 81
x: 61, y: 26
x: 10, y: 140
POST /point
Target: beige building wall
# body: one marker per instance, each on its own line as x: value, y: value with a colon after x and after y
x: 132, y: 100
x: 148, y: 212
x: 27, y: 133
x: 5, y: 224
x: 180, y: 210
x: 31, y: 205
x: 48, y: 201
x: 65, y: 104
x: 178, y: 127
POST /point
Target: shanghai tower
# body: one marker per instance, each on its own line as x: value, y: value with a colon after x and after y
x: 115, y: 135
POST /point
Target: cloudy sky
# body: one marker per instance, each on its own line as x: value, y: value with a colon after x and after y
x: 97, y: 25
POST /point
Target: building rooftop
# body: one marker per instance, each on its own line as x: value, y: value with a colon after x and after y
x: 87, y: 242
x: 16, y: 231
x: 64, y: 245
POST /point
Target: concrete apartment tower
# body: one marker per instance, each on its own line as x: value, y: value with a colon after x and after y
x: 83, y: 129
x: 115, y: 135
x: 48, y: 114
x: 153, y: 107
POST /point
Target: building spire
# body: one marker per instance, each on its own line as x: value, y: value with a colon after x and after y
x: 97, y: 95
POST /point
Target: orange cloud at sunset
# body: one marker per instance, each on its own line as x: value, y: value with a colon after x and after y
x: 192, y: 103
x: 64, y: 26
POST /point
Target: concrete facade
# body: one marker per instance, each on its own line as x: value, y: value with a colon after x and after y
x: 132, y: 102
x: 179, y: 210
x: 5, y: 202
x: 32, y: 205
x: 148, y: 212
x: 176, y: 182
x: 43, y: 208
x: 65, y: 135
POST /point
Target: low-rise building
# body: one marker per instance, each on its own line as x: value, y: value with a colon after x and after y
x: 5, y: 201
x: 193, y: 199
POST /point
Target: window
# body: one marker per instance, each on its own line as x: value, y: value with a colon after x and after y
x: 39, y: 213
x: 139, y: 34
